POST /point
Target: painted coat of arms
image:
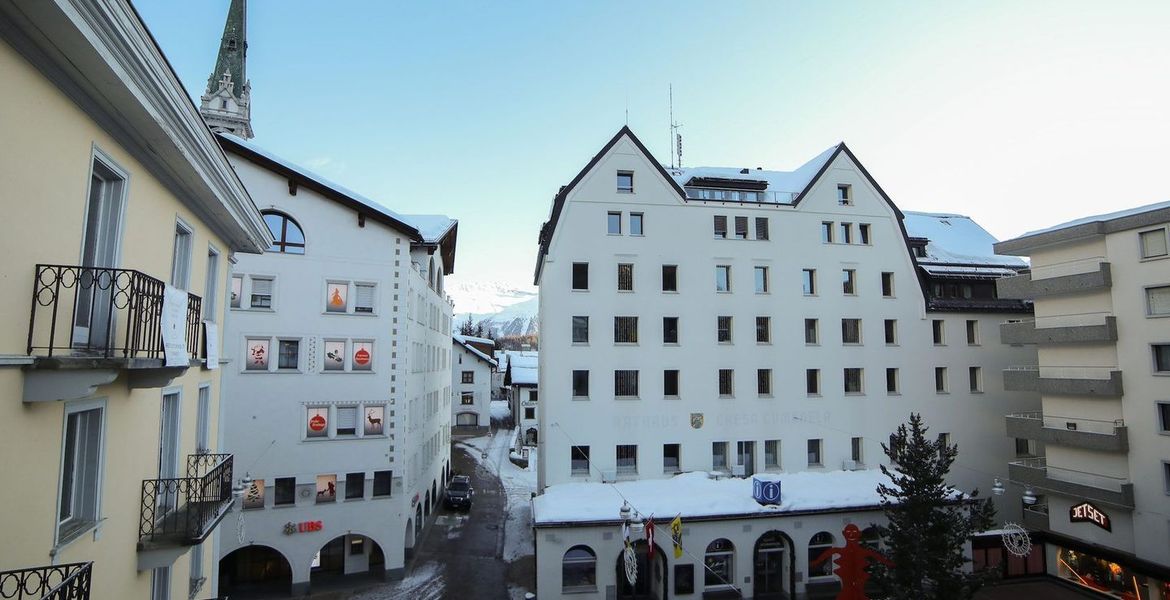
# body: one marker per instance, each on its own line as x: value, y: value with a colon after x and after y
x: 696, y: 420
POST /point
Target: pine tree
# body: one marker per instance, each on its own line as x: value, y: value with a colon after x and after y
x: 467, y: 328
x: 928, y: 524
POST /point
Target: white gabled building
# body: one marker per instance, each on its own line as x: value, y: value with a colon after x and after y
x: 336, y: 398
x: 524, y: 394
x: 740, y: 322
x: 472, y: 371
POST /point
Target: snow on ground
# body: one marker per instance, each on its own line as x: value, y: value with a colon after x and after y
x: 519, y: 484
x: 425, y: 582
x: 500, y: 410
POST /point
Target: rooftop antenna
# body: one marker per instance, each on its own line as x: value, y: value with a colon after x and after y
x: 627, y: 108
x: 675, y: 136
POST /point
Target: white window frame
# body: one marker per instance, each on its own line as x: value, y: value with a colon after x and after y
x: 1142, y: 248
x: 72, y: 408
x: 1149, y: 308
x: 211, y: 285
x: 181, y: 255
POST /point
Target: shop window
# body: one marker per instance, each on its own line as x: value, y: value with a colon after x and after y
x: 816, y: 546
x: 383, y: 483
x: 355, y: 486
x: 326, y: 488
x: 579, y: 570
x: 285, y: 489
x: 719, y: 563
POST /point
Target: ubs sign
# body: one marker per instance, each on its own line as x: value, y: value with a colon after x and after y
x: 1085, y: 511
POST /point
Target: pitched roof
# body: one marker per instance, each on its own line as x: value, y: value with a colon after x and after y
x: 781, y: 186
x: 956, y: 240
x: 1130, y: 218
x: 462, y: 341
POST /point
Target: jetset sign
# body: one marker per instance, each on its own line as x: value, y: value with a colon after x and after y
x: 1087, y: 512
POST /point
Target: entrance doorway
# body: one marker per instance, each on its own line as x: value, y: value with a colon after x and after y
x: 254, y: 571
x: 772, y: 567
x: 650, y: 583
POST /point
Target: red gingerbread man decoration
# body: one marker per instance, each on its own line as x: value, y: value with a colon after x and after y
x: 851, y: 564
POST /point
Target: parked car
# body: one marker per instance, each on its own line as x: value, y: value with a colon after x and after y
x: 459, y: 493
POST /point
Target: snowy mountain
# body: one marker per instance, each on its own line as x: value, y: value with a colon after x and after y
x: 505, y: 309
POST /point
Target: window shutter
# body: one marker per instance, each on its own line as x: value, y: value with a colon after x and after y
x: 761, y: 228
x: 1159, y: 300
x: 262, y: 287
x: 720, y: 225
x: 741, y: 227
x: 346, y: 417
x: 365, y: 298
x: 1153, y: 243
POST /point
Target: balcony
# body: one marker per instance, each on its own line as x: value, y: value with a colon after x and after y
x: 1036, y: 517
x: 54, y: 582
x: 1103, y: 382
x: 1035, y: 472
x: 1079, y: 329
x: 181, y: 512
x: 1090, y: 434
x: 1078, y: 277
x: 88, y: 324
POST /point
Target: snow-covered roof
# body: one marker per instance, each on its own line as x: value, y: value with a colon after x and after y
x: 1129, y: 212
x: 698, y: 495
x: 463, y: 341
x: 431, y: 227
x: 956, y: 239
x: 366, y: 202
x: 524, y: 375
x: 791, y: 182
x: 524, y: 359
x: 472, y: 338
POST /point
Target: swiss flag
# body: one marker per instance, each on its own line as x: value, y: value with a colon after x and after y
x: 650, y: 536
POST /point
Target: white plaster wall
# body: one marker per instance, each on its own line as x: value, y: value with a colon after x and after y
x: 481, y: 389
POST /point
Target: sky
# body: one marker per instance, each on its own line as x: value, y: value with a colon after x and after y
x: 1021, y: 115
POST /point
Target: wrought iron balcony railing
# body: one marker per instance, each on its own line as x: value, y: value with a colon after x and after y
x: 185, y: 510
x: 102, y: 312
x: 54, y: 582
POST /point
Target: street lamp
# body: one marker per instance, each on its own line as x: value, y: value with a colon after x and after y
x: 997, y: 488
x: 1030, y: 496
x: 243, y: 485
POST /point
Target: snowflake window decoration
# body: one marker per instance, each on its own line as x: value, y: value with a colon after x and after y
x: 1016, y: 540
x: 631, y: 564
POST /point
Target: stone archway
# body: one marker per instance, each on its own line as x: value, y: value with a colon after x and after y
x: 653, y: 578
x: 773, y: 566
x: 408, y: 540
x: 254, y: 570
x: 352, y: 555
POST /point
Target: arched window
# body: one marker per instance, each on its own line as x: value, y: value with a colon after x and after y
x: 871, y: 538
x: 431, y: 273
x: 287, y: 236
x: 579, y: 569
x: 818, y: 544
x: 467, y: 418
x: 720, y: 564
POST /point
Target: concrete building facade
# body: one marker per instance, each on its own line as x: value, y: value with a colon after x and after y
x: 744, y: 322
x: 471, y: 380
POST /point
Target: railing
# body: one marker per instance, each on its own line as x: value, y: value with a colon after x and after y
x: 102, y: 312
x: 1100, y: 373
x: 56, y: 582
x: 184, y: 510
x: 1078, y: 424
x: 1103, y: 482
x: 1076, y: 267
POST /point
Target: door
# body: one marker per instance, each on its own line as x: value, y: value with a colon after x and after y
x: 202, y: 421
x: 168, y: 453
x: 769, y: 571
x: 93, y: 319
x: 650, y: 583
x: 746, y: 457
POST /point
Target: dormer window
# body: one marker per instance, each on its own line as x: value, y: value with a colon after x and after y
x: 625, y: 182
x: 844, y: 194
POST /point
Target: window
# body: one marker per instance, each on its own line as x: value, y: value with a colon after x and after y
x: 811, y: 331
x: 211, y: 285
x: 181, y: 260
x: 726, y: 378
x: 670, y: 278
x: 855, y: 447
x: 237, y: 290
x: 814, y: 452
x: 347, y: 420
x: 1158, y: 300
x: 625, y: 277
x: 257, y: 359
x: 580, y: 384
x: 863, y: 232
x: 720, y: 227
x: 160, y: 583
x: 625, y: 383
x: 887, y: 284
x: 1153, y: 243
x: 684, y: 579
x: 891, y: 328
x: 1164, y: 417
x: 763, y: 330
x: 827, y: 232
x: 579, y: 568
x: 580, y: 330
x: 812, y: 381
x: 844, y: 194
x: 285, y: 489
x: 764, y: 382
x: 581, y: 276
x: 771, y: 455
x: 670, y: 458
x: 761, y: 280
x: 614, y: 223
x: 1162, y: 358
x: 466, y: 419
x: 848, y: 282
x: 719, y: 562
x: 809, y: 281
x: 846, y: 233
x: 975, y: 376
x: 383, y: 481
x: 287, y: 236
x: 723, y: 330
x: 636, y: 224
x: 289, y: 354
x: 816, y: 546
x: 723, y: 278
x: 362, y: 358
x: 944, y: 440
x: 529, y: 413
x: 938, y: 331
x: 364, y: 298
x: 625, y: 182
x: 254, y: 496
x: 355, y: 486
x: 718, y: 456
x: 972, y: 332
x: 741, y: 228
x: 80, y: 497
x: 670, y: 383
x: 1166, y: 476
x: 467, y: 377
x: 317, y: 422
x: 625, y: 330
x: 940, y: 380
x: 579, y: 460
x: 853, y: 380
x: 669, y: 330
x: 467, y: 398
x: 627, y: 459
x: 761, y: 228
x: 850, y: 331
x: 261, y: 293
x: 891, y: 380
x: 337, y: 297
x: 1023, y: 447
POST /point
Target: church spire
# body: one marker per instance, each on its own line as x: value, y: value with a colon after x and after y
x: 226, y: 104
